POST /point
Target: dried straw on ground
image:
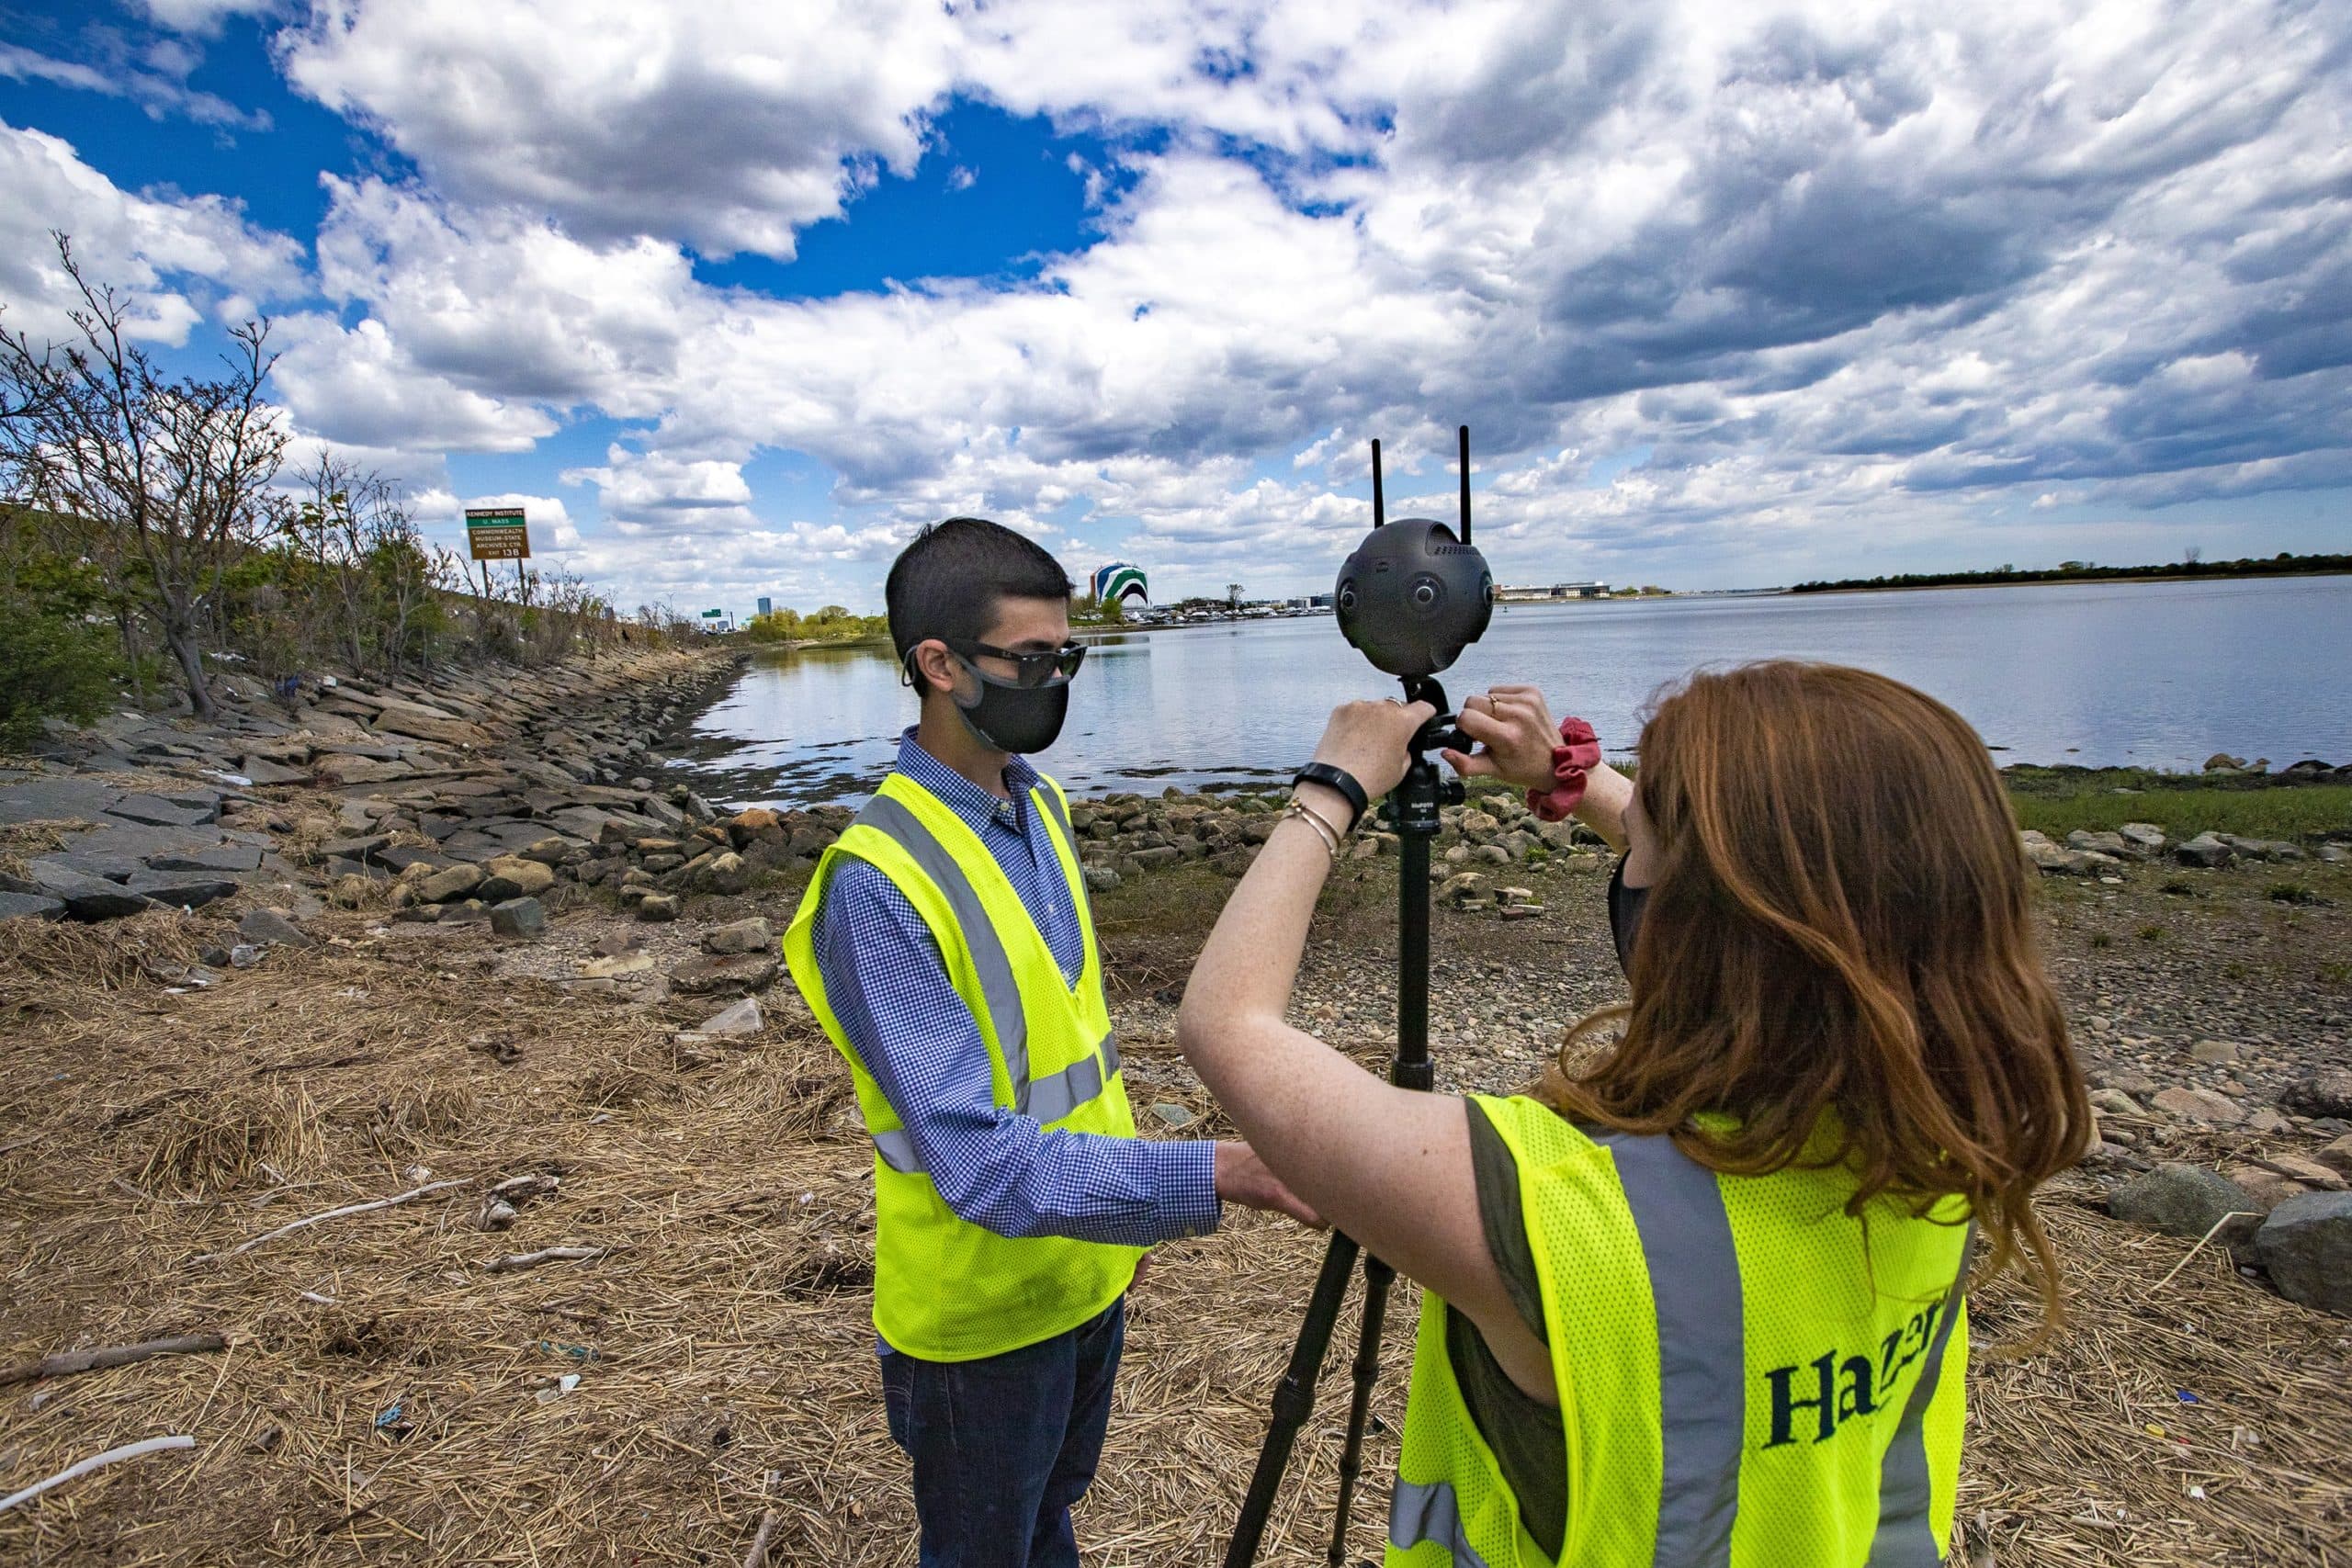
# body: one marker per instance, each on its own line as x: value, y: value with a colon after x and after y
x: 386, y: 1396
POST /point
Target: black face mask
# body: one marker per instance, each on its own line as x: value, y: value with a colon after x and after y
x: 1010, y: 717
x: 1625, y: 906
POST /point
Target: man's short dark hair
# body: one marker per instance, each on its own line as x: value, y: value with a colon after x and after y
x: 948, y: 580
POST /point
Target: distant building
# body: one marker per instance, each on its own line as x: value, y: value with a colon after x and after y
x: 766, y: 607
x: 1556, y: 591
x: 1118, y: 583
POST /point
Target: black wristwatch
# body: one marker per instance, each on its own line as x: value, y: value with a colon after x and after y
x: 1340, y: 779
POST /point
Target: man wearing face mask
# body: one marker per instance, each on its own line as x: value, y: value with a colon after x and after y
x: 945, y: 945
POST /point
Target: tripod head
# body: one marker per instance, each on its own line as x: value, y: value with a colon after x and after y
x: 1415, y: 594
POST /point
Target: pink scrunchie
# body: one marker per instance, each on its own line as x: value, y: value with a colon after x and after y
x: 1580, y: 750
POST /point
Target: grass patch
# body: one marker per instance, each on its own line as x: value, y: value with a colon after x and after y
x: 2152, y: 933
x: 2058, y: 806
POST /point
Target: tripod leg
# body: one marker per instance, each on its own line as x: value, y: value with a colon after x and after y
x: 1293, y: 1399
x: 1377, y: 1276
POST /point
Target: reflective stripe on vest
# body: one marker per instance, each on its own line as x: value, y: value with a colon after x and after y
x: 989, y: 962
x: 1905, y: 1538
x: 1430, y: 1511
x: 1701, y: 1344
x: 1050, y: 1098
x: 1693, y: 1264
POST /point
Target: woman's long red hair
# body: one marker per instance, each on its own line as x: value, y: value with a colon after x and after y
x: 1840, y: 922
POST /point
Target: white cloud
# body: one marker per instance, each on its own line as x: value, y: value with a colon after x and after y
x: 728, y: 125
x: 203, y: 18
x: 180, y: 256
x: 653, y: 491
x: 360, y: 386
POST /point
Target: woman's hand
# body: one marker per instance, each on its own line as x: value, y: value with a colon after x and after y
x: 1515, y: 735
x: 1369, y: 741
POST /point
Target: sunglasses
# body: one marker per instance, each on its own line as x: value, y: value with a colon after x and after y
x: 1029, y: 669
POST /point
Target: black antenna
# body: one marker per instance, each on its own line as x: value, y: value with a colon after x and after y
x: 1379, y: 507
x: 1464, y: 434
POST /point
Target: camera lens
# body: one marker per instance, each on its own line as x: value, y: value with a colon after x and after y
x: 1426, y: 593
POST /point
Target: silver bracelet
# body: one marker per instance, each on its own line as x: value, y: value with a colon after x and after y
x: 1323, y: 831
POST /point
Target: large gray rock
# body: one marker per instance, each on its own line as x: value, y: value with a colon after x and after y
x: 2199, y: 1105
x: 86, y: 898
x: 184, y: 889
x: 269, y: 926
x: 2263, y: 848
x: 754, y: 935
x: 2144, y: 838
x: 228, y: 858
x: 30, y: 906
x: 2205, y: 850
x: 744, y: 1018
x: 365, y: 847
x: 2327, y: 1092
x: 2307, y: 1246
x: 262, y: 770
x: 2104, y: 844
x: 511, y: 876
x: 162, y: 813
x: 454, y: 882
x: 518, y: 918
x: 2179, y: 1199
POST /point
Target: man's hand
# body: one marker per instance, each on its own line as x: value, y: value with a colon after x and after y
x: 1242, y: 1178
x: 1515, y: 735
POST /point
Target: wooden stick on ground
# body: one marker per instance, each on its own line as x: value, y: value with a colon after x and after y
x: 758, y: 1556
x: 515, y: 1261
x: 65, y: 1363
x: 393, y: 1201
x: 83, y: 1467
x: 2225, y: 1219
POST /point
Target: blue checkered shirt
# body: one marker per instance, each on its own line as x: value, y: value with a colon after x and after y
x: 890, y: 990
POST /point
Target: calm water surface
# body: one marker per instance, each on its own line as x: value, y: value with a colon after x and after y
x: 2145, y: 675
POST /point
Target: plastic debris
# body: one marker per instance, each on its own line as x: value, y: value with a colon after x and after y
x: 563, y: 1385
x: 577, y: 1352
x: 2185, y: 1397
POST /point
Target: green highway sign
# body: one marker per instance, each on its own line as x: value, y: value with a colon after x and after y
x: 497, y: 533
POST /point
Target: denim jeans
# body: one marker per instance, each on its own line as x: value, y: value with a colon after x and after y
x: 1003, y: 1446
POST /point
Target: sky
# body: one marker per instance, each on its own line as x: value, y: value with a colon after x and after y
x: 732, y: 298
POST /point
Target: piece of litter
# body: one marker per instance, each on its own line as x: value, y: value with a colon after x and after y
x: 2154, y: 1430
x: 2198, y: 1493
x: 388, y: 1416
x: 577, y: 1352
x: 563, y: 1385
x: 2185, y: 1397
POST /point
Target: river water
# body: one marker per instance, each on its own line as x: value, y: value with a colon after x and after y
x: 2142, y: 674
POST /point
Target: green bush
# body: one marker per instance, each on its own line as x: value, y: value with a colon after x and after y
x: 54, y: 661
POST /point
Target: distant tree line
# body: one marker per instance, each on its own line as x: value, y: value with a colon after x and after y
x: 831, y: 624
x: 2283, y: 564
x: 152, y: 536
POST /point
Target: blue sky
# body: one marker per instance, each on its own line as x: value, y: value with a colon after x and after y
x: 734, y: 297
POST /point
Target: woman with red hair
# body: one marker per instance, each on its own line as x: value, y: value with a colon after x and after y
x: 1702, y: 1301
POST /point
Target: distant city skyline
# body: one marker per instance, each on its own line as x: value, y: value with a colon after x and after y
x: 732, y: 299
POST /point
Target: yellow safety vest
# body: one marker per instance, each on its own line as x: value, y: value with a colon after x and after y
x: 1743, y: 1381
x: 946, y: 1290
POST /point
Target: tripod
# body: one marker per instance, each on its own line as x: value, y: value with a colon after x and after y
x: 1413, y: 811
